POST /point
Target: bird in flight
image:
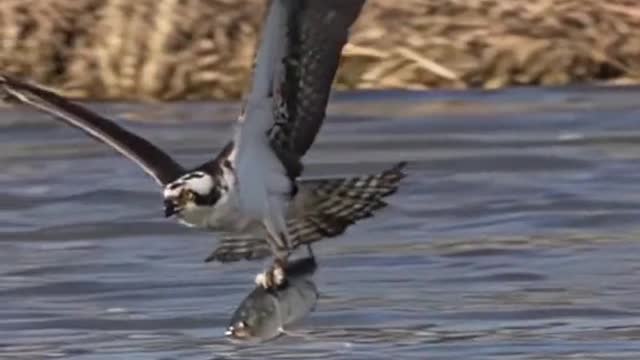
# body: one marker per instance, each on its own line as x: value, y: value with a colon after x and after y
x: 251, y: 193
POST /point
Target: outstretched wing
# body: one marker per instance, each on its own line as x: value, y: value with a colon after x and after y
x: 317, y: 30
x: 322, y: 209
x: 295, y: 66
x: 150, y: 158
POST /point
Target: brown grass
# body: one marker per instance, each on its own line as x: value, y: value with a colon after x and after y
x: 201, y: 49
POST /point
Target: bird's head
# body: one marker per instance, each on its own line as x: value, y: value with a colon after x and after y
x: 192, y: 190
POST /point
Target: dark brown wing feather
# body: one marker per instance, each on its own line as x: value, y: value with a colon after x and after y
x: 317, y: 32
x: 149, y: 157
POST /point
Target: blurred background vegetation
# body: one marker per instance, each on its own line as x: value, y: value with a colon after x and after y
x: 203, y: 49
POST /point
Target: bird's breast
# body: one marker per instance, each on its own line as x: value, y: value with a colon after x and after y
x: 217, y: 218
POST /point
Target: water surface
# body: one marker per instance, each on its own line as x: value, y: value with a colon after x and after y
x: 515, y: 235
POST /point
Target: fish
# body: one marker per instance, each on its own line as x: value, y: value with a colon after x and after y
x: 265, y: 312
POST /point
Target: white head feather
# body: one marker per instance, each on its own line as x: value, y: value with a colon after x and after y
x: 198, y: 182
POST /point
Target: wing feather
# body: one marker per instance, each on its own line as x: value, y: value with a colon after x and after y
x: 317, y: 30
x: 263, y: 184
x: 295, y: 65
x: 150, y: 158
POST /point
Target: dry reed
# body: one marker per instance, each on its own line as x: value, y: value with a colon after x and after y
x: 202, y: 49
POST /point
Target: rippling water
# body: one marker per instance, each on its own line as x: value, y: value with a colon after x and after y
x: 515, y: 235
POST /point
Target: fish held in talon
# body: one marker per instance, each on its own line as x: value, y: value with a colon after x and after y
x: 266, y: 312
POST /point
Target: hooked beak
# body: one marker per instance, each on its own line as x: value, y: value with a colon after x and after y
x: 169, y: 208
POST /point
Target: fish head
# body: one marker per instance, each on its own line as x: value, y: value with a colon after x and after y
x: 257, y: 318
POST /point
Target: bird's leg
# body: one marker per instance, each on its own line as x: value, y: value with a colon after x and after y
x: 275, y: 277
x: 310, y: 252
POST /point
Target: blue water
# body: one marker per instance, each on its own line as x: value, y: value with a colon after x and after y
x: 515, y: 235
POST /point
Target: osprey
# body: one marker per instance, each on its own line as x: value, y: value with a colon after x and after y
x: 250, y: 193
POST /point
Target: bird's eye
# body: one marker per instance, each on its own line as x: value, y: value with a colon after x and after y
x: 187, y: 195
x: 191, y: 195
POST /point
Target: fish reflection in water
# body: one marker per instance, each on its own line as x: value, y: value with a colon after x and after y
x: 264, y: 313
